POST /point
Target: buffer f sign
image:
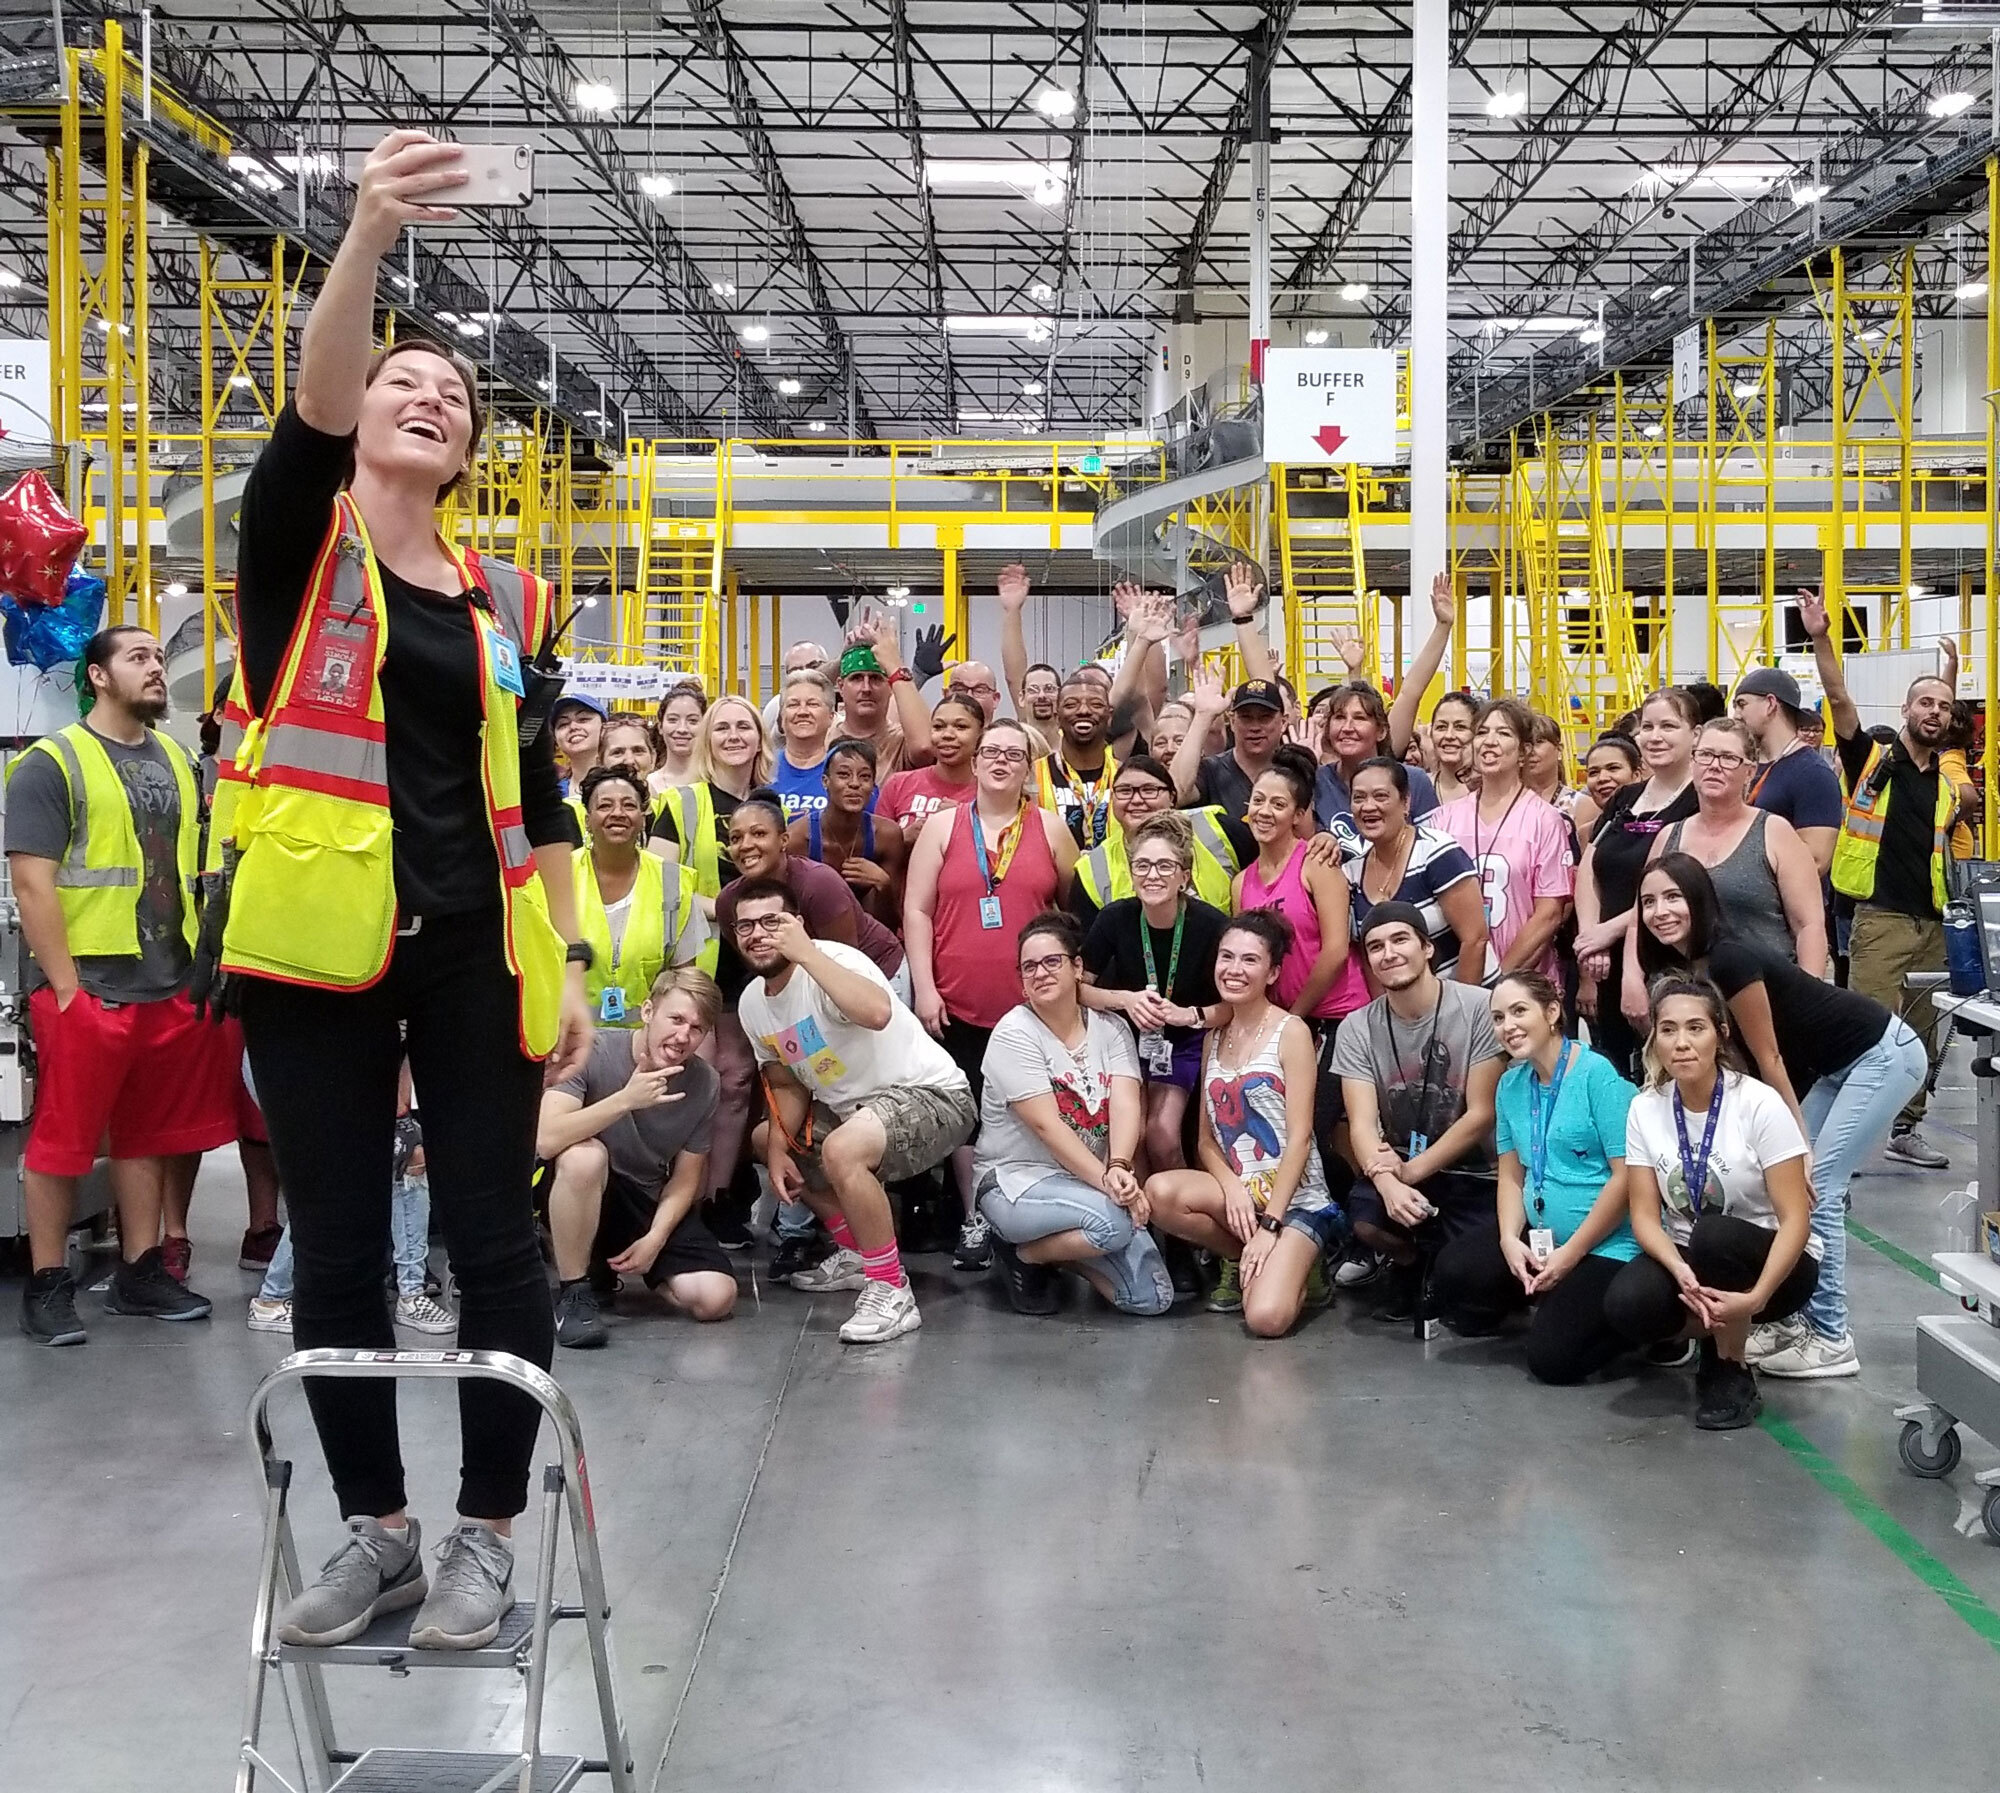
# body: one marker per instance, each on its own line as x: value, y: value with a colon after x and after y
x: 1323, y: 405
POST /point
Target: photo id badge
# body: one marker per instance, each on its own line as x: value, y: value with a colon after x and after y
x: 1156, y: 1054
x: 1542, y: 1243
x: 989, y: 912
x: 611, y: 1005
x: 1419, y: 1142
x: 506, y: 660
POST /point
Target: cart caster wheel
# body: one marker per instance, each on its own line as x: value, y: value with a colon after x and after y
x: 1990, y: 1514
x: 1910, y: 1447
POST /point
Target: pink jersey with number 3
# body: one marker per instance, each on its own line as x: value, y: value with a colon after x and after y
x: 1519, y: 860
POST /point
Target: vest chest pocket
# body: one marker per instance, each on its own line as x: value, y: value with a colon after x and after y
x: 307, y: 902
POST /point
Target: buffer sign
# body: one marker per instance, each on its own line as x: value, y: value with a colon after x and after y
x: 1323, y: 405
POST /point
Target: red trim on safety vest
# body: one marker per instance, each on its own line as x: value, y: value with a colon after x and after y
x: 327, y: 784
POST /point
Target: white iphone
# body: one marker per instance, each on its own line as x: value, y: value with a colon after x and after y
x: 496, y: 174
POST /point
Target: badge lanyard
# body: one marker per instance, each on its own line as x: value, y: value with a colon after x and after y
x: 1086, y: 795
x: 1694, y: 1171
x: 1478, y: 857
x: 1541, y: 1112
x: 991, y: 872
x: 1419, y: 1141
x: 1164, y: 991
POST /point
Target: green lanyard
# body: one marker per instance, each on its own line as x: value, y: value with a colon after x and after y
x: 1173, y: 956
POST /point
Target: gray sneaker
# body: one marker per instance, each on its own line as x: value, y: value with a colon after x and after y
x: 1908, y: 1146
x: 470, y: 1593
x: 374, y: 1572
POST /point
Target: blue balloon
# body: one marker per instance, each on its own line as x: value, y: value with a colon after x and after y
x: 47, y: 636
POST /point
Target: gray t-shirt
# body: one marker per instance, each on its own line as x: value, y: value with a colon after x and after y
x: 643, y: 1146
x: 1419, y: 1067
x: 39, y: 823
x: 1024, y: 1059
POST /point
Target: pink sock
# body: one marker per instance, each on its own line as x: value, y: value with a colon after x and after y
x: 837, y: 1226
x: 885, y: 1265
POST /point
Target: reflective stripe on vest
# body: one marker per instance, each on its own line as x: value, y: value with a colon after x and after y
x: 694, y: 816
x: 75, y: 871
x: 1107, y: 877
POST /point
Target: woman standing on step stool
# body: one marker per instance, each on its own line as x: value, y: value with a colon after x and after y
x: 401, y: 857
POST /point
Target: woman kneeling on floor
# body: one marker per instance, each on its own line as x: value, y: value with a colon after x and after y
x: 1260, y: 1200
x: 1716, y: 1167
x: 1562, y: 1234
x: 1059, y: 1119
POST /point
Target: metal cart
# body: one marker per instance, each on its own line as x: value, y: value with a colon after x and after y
x: 1958, y: 1374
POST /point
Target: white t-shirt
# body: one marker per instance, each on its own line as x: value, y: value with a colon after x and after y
x: 841, y: 1062
x: 1024, y: 1059
x: 1756, y: 1129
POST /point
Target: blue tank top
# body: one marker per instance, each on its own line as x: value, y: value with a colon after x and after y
x: 802, y: 791
x: 816, y: 847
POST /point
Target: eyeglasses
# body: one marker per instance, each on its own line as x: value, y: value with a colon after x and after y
x: 1004, y: 756
x: 972, y: 690
x: 761, y: 924
x: 1156, y: 868
x: 1044, y: 967
x: 1142, y: 790
x: 1714, y: 756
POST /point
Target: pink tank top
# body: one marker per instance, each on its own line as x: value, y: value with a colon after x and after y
x: 974, y: 967
x: 1289, y: 896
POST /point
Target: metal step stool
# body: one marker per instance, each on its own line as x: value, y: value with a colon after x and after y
x: 522, y: 1644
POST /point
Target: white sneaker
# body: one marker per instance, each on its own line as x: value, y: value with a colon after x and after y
x: 270, y: 1316
x: 1773, y: 1338
x: 1813, y: 1357
x: 840, y: 1271
x: 421, y: 1314
x: 884, y: 1312
x: 1357, y: 1268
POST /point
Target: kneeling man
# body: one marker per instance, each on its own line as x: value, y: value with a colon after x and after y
x: 628, y: 1139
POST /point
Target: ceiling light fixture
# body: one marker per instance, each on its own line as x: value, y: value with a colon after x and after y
x: 1022, y: 176
x: 468, y: 327
x: 756, y: 332
x: 175, y: 590
x: 1041, y: 292
x: 1950, y: 105
x: 723, y: 289
x: 817, y: 426
x: 1055, y: 104
x: 1916, y: 591
x: 598, y: 98
x: 899, y: 591
x: 1591, y: 333
x: 1032, y: 389
x: 1870, y: 335
x: 242, y: 382
x: 657, y: 186
x: 1809, y: 194
x: 9, y: 279
x: 1031, y: 329
x: 1354, y: 291
x: 1747, y: 388
x: 789, y: 387
x: 1315, y: 336
x: 1969, y: 289
x: 1726, y: 177
x: 1662, y: 292
x: 1654, y: 429
x: 1506, y: 102
x: 447, y: 317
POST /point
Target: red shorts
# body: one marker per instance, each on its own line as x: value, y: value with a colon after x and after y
x: 142, y: 1080
x: 249, y: 1117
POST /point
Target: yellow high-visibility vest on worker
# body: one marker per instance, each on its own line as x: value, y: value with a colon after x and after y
x: 1106, y: 876
x: 662, y: 901
x: 314, y: 900
x: 1860, y: 844
x: 100, y: 879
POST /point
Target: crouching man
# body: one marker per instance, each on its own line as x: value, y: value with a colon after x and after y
x: 628, y: 1140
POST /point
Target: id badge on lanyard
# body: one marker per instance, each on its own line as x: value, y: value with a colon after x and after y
x: 1156, y: 1053
x: 505, y: 660
x: 611, y: 1005
x: 989, y: 912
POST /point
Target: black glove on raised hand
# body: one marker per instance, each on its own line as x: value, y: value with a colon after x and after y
x: 212, y: 990
x: 932, y: 646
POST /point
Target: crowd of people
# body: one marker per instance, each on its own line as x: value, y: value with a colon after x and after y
x: 1238, y: 994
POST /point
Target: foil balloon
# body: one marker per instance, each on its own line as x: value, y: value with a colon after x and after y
x: 48, y: 636
x: 39, y: 540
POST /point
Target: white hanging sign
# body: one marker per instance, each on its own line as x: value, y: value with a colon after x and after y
x: 1326, y: 405
x: 1688, y: 382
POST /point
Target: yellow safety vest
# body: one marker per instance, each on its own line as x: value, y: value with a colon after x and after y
x: 651, y: 931
x: 314, y: 901
x: 233, y: 719
x: 1860, y: 844
x: 1045, y: 788
x: 99, y: 879
x: 1106, y: 876
x: 694, y: 816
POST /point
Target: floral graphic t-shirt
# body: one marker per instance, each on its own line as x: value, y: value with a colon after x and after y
x: 1023, y: 1060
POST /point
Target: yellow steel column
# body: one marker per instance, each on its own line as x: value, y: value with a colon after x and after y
x: 733, y: 629
x: 950, y: 539
x: 756, y: 655
x: 777, y: 644
x: 117, y: 568
x: 1496, y: 599
x: 1990, y: 754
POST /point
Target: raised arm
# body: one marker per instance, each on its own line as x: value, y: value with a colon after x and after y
x: 1012, y: 590
x: 1207, y: 699
x: 1423, y: 667
x: 1241, y: 590
x: 911, y: 715
x: 1819, y: 626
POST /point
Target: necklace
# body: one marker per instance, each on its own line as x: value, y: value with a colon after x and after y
x: 1407, y: 842
x: 1478, y: 817
x: 1231, y: 1038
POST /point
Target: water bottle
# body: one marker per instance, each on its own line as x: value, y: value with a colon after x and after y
x: 1961, y: 950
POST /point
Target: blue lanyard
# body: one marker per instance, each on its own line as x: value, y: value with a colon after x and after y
x: 1694, y: 1171
x: 1540, y: 1113
x: 979, y: 848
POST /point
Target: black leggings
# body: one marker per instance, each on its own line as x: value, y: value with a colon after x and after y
x: 1644, y: 1302
x: 326, y: 1064
x: 1569, y: 1337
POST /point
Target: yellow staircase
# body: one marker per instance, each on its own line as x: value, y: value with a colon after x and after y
x: 1323, y: 567
x: 670, y: 613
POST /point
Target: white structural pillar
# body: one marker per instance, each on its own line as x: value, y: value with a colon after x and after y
x: 1430, y: 74
x: 1260, y: 212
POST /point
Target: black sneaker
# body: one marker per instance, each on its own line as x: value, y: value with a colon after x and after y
x: 1730, y: 1400
x: 578, y: 1324
x: 799, y: 1252
x: 1182, y: 1266
x: 604, y: 1281
x: 1402, y: 1289
x: 48, y: 1309
x: 1671, y: 1354
x: 726, y: 1222
x: 146, y: 1288
x: 1031, y: 1288
x: 974, y: 1250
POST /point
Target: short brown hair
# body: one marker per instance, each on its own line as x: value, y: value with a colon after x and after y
x: 693, y: 983
x: 1172, y: 830
x: 468, y: 375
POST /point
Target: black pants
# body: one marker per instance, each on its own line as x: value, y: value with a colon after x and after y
x: 1569, y: 1337
x: 1644, y: 1303
x: 326, y: 1064
x: 1612, y: 1034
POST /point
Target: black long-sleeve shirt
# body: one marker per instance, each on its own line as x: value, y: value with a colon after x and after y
x: 431, y: 679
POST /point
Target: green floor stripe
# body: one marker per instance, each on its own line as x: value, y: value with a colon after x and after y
x: 1894, y: 1253
x: 1901, y: 1544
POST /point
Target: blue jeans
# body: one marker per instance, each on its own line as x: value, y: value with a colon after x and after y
x: 409, y: 1234
x: 1061, y: 1204
x: 1848, y: 1113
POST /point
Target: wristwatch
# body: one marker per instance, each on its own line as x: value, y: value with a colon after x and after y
x: 902, y: 676
x: 581, y: 952
x: 1270, y: 1223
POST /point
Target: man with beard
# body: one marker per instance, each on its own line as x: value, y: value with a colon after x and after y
x: 103, y: 824
x: 1891, y: 853
x: 1075, y: 780
x: 860, y: 1095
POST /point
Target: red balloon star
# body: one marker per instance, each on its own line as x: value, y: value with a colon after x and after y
x: 39, y: 540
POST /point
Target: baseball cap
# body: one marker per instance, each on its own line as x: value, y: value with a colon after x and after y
x: 592, y: 704
x: 1257, y: 694
x: 1771, y: 681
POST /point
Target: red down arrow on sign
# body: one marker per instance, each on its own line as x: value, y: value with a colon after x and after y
x: 1329, y: 436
